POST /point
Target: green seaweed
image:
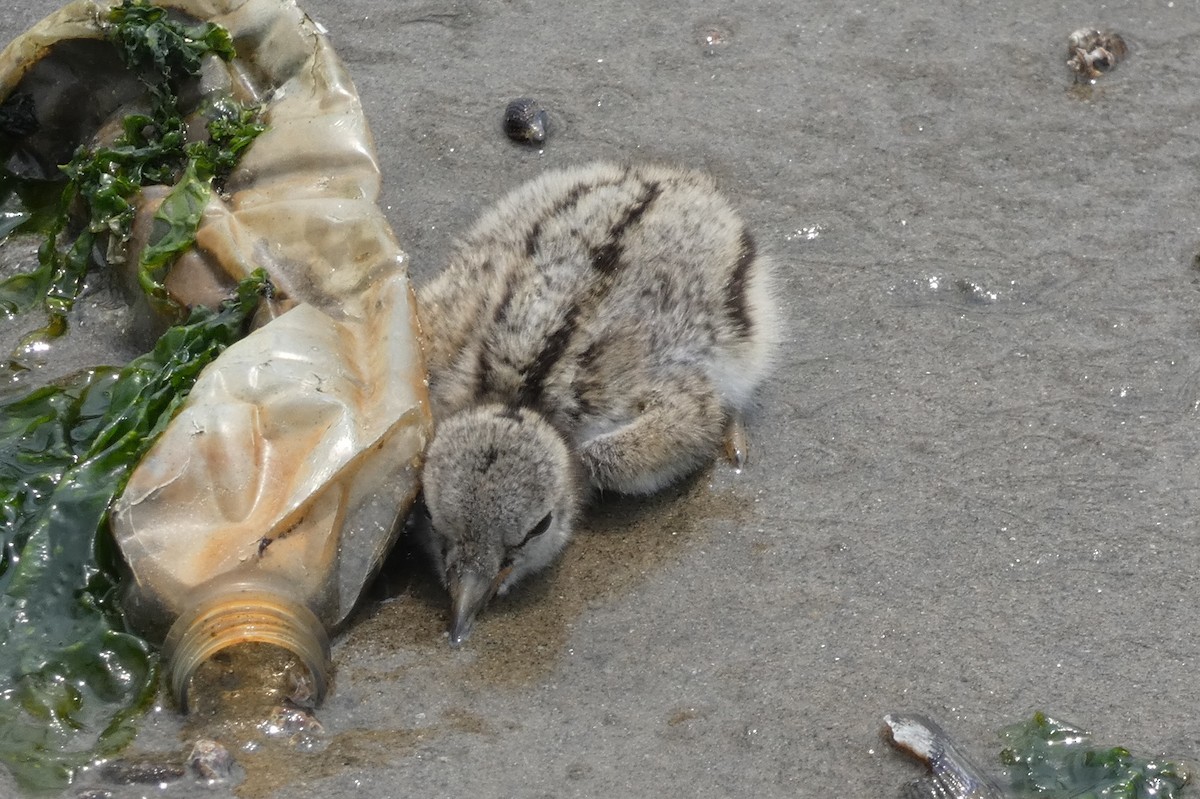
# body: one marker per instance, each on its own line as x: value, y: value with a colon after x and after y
x: 68, y: 668
x: 1050, y: 758
x: 151, y: 150
x: 73, y: 679
x: 176, y: 222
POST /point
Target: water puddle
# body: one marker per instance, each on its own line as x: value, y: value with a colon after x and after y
x: 101, y: 329
x: 952, y: 291
x: 520, y: 638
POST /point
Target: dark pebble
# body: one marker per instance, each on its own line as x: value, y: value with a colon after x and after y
x: 525, y: 121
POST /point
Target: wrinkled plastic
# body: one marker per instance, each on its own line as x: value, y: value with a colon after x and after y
x: 299, y: 448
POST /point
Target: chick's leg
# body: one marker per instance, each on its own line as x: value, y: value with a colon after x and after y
x: 737, y: 446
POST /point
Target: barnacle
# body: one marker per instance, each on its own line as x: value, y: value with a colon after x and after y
x: 1093, y: 52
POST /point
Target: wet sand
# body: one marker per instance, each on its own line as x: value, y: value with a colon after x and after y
x: 973, y: 479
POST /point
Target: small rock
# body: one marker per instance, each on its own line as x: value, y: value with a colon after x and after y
x: 210, y: 760
x: 525, y: 121
x: 289, y: 721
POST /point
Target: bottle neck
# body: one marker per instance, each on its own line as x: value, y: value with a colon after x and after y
x: 240, y: 612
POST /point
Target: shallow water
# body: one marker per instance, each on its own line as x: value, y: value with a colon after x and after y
x: 973, y: 481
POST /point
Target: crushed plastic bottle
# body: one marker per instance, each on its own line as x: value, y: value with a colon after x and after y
x: 270, y: 500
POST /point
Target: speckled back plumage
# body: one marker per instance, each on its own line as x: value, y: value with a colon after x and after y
x: 592, y: 293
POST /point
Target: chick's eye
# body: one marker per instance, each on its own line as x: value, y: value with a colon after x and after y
x: 537, y: 530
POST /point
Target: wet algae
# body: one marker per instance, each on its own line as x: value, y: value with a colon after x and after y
x: 153, y: 149
x: 73, y: 680
x: 68, y: 666
x: 1051, y: 758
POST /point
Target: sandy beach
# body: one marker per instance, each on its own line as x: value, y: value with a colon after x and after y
x: 973, y: 479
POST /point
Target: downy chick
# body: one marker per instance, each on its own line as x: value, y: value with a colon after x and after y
x: 600, y: 328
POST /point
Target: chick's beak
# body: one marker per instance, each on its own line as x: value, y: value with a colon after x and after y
x: 469, y: 592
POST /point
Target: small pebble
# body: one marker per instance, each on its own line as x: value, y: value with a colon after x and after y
x: 713, y: 35
x: 210, y: 760
x: 525, y: 121
x: 289, y: 720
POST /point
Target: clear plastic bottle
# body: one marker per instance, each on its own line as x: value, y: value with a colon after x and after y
x: 272, y: 497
